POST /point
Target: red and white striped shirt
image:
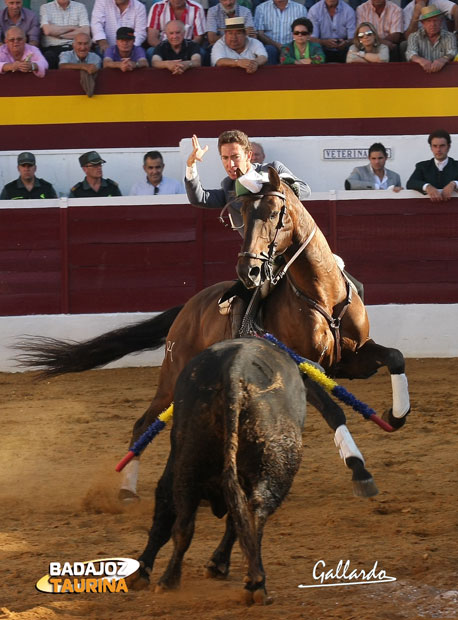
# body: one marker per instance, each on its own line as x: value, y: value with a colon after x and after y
x: 193, y: 18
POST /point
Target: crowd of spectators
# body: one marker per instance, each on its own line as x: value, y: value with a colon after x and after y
x: 180, y: 34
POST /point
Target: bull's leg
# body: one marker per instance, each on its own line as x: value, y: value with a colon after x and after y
x: 182, y: 533
x: 164, y: 516
x: 218, y: 565
x: 255, y: 580
x: 366, y: 361
x: 363, y: 483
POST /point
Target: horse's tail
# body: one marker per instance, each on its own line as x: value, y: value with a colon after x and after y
x: 57, y: 357
x: 234, y: 494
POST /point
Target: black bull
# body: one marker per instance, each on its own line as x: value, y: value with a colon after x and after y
x: 236, y: 441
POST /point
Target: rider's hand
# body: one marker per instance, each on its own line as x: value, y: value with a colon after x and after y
x: 197, y: 152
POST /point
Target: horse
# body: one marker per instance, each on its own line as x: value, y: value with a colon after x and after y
x: 311, y: 308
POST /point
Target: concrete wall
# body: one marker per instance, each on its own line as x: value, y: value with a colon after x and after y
x: 305, y: 156
x: 423, y: 330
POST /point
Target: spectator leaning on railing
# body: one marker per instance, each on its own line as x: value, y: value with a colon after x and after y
x: 431, y: 47
x: 388, y: 20
x: 176, y: 54
x: 217, y: 15
x: 125, y: 56
x: 190, y: 13
x: 109, y: 15
x: 17, y: 55
x: 273, y: 20
x: 236, y: 49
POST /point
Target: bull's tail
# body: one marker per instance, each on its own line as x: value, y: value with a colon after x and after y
x: 236, y: 499
x: 57, y: 357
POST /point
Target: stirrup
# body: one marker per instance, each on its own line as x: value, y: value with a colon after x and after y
x: 224, y: 306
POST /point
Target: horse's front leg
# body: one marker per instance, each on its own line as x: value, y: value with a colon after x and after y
x: 366, y: 361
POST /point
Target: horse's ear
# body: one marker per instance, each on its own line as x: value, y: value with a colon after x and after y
x: 239, y: 173
x: 274, y: 179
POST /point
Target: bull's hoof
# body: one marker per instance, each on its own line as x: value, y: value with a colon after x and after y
x: 396, y: 423
x: 140, y: 579
x: 364, y: 488
x: 216, y: 571
x: 127, y: 497
x: 258, y: 597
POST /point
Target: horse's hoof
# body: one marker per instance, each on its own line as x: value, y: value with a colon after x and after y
x: 216, y: 571
x: 160, y: 588
x: 140, y: 579
x: 258, y: 597
x: 127, y: 497
x: 364, y: 488
x: 396, y: 423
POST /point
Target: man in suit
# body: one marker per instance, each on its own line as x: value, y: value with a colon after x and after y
x: 437, y: 177
x: 374, y: 175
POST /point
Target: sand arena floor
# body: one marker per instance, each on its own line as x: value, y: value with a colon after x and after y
x: 62, y: 438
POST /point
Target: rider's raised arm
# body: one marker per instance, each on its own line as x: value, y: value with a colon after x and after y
x: 205, y: 198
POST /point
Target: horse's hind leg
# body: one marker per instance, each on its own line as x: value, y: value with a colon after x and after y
x: 366, y: 361
x: 218, y: 565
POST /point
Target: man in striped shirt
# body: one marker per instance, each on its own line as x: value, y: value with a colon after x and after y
x: 273, y: 20
x: 431, y: 47
x: 217, y: 15
x: 190, y: 13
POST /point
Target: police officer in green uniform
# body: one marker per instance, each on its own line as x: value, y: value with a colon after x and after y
x: 93, y: 185
x: 27, y: 186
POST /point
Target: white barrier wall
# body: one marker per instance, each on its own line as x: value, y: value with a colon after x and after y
x: 419, y: 330
x: 323, y: 161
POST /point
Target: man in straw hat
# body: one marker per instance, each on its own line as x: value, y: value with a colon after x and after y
x: 237, y: 49
x: 431, y: 47
x: 412, y: 12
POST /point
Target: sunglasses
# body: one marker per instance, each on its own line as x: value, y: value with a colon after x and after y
x: 368, y: 33
x: 300, y: 33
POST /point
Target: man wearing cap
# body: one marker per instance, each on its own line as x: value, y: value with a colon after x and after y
x: 237, y: 49
x: 217, y: 15
x: 437, y: 177
x: 93, y: 185
x: 431, y: 47
x: 155, y: 183
x: 61, y: 21
x: 176, y: 54
x: 27, y: 186
x: 17, y: 55
x: 125, y: 55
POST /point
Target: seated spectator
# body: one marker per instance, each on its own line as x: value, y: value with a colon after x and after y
x: 109, y: 15
x: 14, y: 14
x: 374, y: 175
x: 301, y: 51
x: 27, y: 185
x: 257, y: 153
x: 155, y: 183
x: 176, y: 54
x: 437, y: 177
x: 431, y: 47
x: 367, y: 47
x: 61, y: 21
x: 217, y: 15
x: 334, y: 25
x: 411, y: 14
x: 190, y: 13
x: 273, y: 20
x: 93, y: 185
x: 125, y: 55
x: 17, y: 55
x: 387, y: 19
x: 83, y: 60
x: 237, y: 49
x: 80, y: 57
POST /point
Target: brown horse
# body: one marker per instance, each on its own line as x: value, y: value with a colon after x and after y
x: 311, y: 309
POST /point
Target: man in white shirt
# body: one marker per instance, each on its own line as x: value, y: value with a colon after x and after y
x: 109, y: 15
x: 155, y: 183
x: 61, y: 21
x: 237, y: 49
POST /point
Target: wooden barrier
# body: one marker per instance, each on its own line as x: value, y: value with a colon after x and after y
x: 118, y: 258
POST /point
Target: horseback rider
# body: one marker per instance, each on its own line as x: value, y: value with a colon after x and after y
x: 235, y: 151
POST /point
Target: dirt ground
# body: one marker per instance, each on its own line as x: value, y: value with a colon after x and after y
x: 62, y: 438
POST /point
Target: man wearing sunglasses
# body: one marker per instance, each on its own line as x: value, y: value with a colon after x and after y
x: 27, y: 185
x: 93, y: 185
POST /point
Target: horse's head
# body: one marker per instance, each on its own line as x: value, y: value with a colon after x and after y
x: 268, y: 230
